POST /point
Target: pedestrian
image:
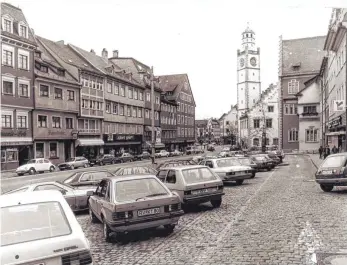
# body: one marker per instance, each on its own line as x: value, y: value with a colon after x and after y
x: 320, y: 150
x: 326, y: 151
x: 334, y: 150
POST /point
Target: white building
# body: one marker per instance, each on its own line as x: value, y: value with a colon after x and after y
x: 309, y: 119
x: 248, y: 77
x: 263, y: 116
x: 228, y: 122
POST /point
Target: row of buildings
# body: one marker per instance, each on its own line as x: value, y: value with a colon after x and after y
x: 59, y: 101
x: 312, y: 85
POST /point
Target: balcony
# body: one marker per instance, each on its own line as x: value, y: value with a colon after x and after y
x: 310, y: 115
x: 89, y: 131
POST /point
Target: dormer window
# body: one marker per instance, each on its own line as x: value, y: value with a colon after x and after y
x: 7, y: 23
x: 296, y: 66
x: 44, y: 69
x: 23, y: 31
x: 37, y: 54
x: 60, y: 72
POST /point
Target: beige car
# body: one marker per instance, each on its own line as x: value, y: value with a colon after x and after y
x: 194, y: 184
x: 129, y: 203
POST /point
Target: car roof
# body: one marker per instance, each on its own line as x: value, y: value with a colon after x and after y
x: 338, y: 154
x: 130, y: 177
x: 183, y: 167
x: 30, y: 197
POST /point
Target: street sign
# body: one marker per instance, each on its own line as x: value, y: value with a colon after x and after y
x: 339, y: 105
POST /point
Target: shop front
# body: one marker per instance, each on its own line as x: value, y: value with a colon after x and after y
x: 117, y: 144
x: 89, y: 147
x: 336, y: 134
x: 15, y: 151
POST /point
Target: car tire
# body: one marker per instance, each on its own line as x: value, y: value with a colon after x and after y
x: 269, y: 169
x: 72, y: 167
x: 92, y: 216
x: 186, y: 208
x: 216, y: 203
x: 101, y: 163
x: 20, y: 174
x: 32, y: 171
x: 85, y: 165
x: 106, y: 231
x: 326, y: 187
x: 239, y: 182
x: 169, y: 228
x: 51, y: 169
x: 253, y: 175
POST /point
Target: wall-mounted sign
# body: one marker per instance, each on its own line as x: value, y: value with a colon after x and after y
x: 339, y: 105
x: 335, y: 122
x: 110, y: 137
x: 17, y: 133
x: 158, y: 135
x: 122, y: 138
x: 74, y: 134
x: 56, y: 133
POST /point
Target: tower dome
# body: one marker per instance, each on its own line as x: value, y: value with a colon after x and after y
x: 248, y: 38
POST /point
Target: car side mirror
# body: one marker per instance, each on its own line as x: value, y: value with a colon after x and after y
x: 90, y: 193
x: 63, y: 192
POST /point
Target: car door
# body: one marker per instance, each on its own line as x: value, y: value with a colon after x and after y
x: 96, y: 198
x: 46, y: 164
x: 102, y: 195
x: 68, y: 195
x: 170, y: 180
x: 162, y: 174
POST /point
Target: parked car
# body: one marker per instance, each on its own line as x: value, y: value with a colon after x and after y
x: 332, y: 172
x: 274, y: 157
x: 229, y: 169
x: 211, y: 148
x: 261, y: 162
x: 104, y: 160
x: 37, y: 226
x: 143, y: 155
x: 136, y: 170
x: 176, y: 153
x: 133, y: 202
x: 162, y: 153
x: 223, y: 154
x: 194, y: 184
x: 76, y: 196
x: 74, y: 162
x: 246, y: 161
x: 87, y: 178
x: 194, y: 150
x: 226, y: 149
x: 39, y: 165
x: 176, y: 163
x: 278, y: 153
x: 126, y: 157
x: 273, y: 163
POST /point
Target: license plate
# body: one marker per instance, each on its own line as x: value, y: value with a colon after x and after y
x: 148, y: 212
x: 327, y: 172
x: 195, y: 192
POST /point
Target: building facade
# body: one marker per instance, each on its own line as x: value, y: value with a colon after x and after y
x: 168, y: 122
x: 248, y: 78
x: 334, y: 82
x: 177, y: 88
x: 299, y: 61
x: 229, y: 126
x: 17, y: 83
x: 208, y: 130
x: 57, y: 101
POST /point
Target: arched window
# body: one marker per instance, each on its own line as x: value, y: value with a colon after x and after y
x: 256, y: 141
x: 267, y: 141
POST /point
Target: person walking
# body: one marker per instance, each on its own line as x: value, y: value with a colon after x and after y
x: 320, y: 150
x: 334, y: 150
x: 326, y: 152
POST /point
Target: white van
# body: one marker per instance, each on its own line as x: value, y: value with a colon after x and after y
x: 40, y: 228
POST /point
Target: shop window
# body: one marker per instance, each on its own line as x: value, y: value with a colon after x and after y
x: 39, y: 150
x: 9, y: 155
x: 275, y: 141
x: 53, y: 150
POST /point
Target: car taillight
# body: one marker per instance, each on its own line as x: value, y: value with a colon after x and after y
x: 122, y: 215
x: 220, y: 187
x: 172, y: 207
x: 81, y: 258
x: 187, y: 192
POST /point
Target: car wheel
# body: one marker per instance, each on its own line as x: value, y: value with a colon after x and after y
x: 216, y: 203
x: 20, y: 174
x: 253, y: 175
x: 112, y: 162
x: 72, y: 167
x: 92, y: 216
x: 326, y: 187
x: 169, y: 228
x: 51, y: 169
x: 106, y: 231
x: 185, y: 207
x: 239, y: 182
x: 101, y: 164
x: 269, y: 169
x: 32, y: 171
x: 85, y: 165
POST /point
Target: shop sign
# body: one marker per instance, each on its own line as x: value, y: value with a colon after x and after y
x: 56, y: 133
x: 74, y: 134
x: 335, y: 122
x: 17, y: 133
x: 122, y: 138
x: 339, y: 105
x: 158, y: 135
x: 15, y: 143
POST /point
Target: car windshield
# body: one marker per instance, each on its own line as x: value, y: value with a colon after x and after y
x: 228, y: 163
x: 131, y: 190
x: 42, y: 221
x: 245, y: 161
x: 70, y: 159
x: 197, y: 175
x: 334, y: 161
x: 259, y: 158
x: 32, y: 161
x: 70, y: 179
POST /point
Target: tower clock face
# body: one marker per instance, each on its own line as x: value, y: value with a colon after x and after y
x: 253, y: 61
x: 242, y: 62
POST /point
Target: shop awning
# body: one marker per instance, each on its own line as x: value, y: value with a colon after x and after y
x: 12, y: 141
x: 335, y: 133
x: 89, y: 142
x: 157, y: 145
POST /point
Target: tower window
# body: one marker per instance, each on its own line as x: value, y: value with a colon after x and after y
x: 253, y: 88
x: 241, y: 101
x: 253, y: 100
x: 241, y: 88
x: 253, y: 74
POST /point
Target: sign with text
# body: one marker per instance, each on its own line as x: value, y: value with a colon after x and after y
x: 335, y: 122
x: 339, y: 105
x: 122, y: 138
x: 17, y: 133
x: 158, y: 135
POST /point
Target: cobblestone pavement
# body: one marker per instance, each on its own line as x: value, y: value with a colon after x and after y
x: 316, y: 160
x: 279, y: 217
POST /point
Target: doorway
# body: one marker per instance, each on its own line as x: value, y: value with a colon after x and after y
x: 67, y: 150
x: 23, y: 155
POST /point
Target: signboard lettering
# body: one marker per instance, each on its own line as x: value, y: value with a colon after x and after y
x: 122, y: 138
x: 18, y: 133
x: 57, y: 133
x: 335, y: 122
x: 125, y: 137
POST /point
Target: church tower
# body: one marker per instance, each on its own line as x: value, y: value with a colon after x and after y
x: 248, y: 73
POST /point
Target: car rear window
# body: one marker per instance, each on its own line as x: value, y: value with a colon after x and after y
x: 245, y: 161
x: 42, y: 221
x: 334, y: 161
x: 130, y: 190
x: 228, y: 163
x: 197, y: 175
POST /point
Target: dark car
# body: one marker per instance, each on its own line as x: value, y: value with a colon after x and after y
x: 103, y: 160
x: 261, y: 162
x: 273, y: 157
x: 87, y: 178
x: 211, y: 148
x: 126, y: 157
x: 176, y: 163
x: 271, y: 161
x: 136, y: 170
x: 332, y: 172
x: 144, y: 155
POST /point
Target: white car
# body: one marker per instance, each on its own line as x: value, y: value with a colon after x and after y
x: 35, y: 165
x: 229, y: 169
x: 162, y: 153
x: 40, y: 228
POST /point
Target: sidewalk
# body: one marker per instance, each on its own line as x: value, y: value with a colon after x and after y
x: 316, y: 160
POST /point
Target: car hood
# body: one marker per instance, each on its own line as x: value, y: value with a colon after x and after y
x: 82, y: 190
x: 232, y: 168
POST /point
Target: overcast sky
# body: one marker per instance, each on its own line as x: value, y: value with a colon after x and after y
x: 199, y: 38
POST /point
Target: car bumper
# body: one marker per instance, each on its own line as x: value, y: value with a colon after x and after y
x: 62, y: 167
x: 197, y: 199
x: 238, y: 177
x: 146, y: 222
x: 22, y: 171
x: 332, y: 181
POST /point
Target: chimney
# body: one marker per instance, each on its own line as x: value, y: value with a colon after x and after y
x: 92, y: 51
x: 61, y: 42
x: 115, y: 53
x: 104, y: 54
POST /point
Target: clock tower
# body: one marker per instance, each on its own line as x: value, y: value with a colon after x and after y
x: 248, y: 73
